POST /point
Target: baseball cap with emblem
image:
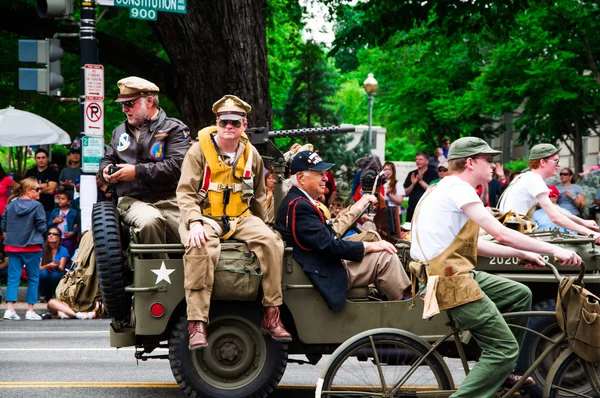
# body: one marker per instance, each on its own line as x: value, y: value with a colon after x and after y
x: 469, y: 146
x: 134, y: 87
x: 553, y: 191
x: 231, y: 107
x: 542, y: 151
x: 308, y: 160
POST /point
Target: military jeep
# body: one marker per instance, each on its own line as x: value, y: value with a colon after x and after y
x: 145, y: 298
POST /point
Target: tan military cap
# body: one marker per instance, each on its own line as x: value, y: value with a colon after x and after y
x: 231, y: 107
x: 134, y: 87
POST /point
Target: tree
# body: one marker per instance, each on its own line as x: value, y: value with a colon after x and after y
x: 205, y: 55
x: 547, y: 75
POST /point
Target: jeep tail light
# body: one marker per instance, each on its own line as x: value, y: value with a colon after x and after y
x: 157, y: 309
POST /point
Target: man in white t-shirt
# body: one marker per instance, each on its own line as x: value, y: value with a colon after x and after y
x: 445, y: 236
x: 529, y: 189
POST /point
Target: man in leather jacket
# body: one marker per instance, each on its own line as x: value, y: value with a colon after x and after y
x: 143, y: 162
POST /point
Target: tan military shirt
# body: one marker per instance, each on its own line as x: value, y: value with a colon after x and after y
x: 192, y: 176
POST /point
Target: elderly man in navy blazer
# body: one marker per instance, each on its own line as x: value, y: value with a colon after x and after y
x: 333, y: 265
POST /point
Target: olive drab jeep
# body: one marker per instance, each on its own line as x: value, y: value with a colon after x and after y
x: 144, y: 295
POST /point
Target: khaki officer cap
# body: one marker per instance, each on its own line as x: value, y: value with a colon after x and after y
x: 134, y: 87
x: 469, y: 146
x: 542, y: 151
x: 231, y: 107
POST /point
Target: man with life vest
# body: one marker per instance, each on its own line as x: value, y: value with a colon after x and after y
x: 142, y: 163
x: 529, y: 189
x: 444, y: 236
x: 222, y: 194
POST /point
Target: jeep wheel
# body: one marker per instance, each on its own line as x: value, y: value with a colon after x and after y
x: 239, y: 360
x: 110, y: 262
x: 534, y: 345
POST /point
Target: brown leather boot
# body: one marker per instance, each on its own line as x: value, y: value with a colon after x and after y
x: 197, y: 331
x: 271, y: 325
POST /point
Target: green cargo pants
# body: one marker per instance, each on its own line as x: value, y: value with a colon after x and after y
x: 500, y: 346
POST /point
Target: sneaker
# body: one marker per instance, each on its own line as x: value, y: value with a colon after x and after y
x: 11, y: 315
x: 62, y: 315
x: 85, y: 315
x: 32, y: 316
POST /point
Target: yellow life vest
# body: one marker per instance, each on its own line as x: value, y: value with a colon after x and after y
x: 219, y: 177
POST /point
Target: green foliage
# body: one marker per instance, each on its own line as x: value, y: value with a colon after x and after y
x: 284, y: 43
x: 516, y: 165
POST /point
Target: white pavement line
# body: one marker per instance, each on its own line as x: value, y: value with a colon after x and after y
x: 78, y: 349
x: 54, y: 332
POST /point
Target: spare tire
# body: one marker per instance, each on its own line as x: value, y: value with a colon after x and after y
x: 110, y: 262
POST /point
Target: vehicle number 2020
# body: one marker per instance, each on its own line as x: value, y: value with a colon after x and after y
x: 508, y: 260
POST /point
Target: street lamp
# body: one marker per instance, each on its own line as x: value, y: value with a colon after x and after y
x: 370, y: 85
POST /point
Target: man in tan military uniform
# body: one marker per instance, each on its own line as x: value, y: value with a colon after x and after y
x: 222, y: 194
x: 147, y: 149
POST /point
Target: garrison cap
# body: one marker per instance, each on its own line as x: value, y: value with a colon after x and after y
x: 231, y: 107
x: 134, y: 87
x: 469, y: 146
x: 308, y: 160
x: 542, y: 151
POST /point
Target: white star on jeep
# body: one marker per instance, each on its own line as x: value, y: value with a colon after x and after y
x: 163, y: 273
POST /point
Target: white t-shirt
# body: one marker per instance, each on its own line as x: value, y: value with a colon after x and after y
x: 522, y: 194
x: 399, y: 192
x: 440, y: 217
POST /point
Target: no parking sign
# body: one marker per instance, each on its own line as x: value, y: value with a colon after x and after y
x: 94, y: 118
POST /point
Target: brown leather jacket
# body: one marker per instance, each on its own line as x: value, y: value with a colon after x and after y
x: 163, y: 143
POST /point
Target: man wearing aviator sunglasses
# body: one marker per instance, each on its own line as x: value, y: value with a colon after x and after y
x: 143, y: 162
x: 529, y: 190
x: 222, y: 194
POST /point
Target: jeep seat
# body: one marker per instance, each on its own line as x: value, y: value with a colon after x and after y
x: 358, y: 293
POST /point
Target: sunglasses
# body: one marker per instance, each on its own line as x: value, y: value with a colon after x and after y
x: 38, y: 189
x: 442, y: 169
x: 234, y: 123
x: 564, y: 174
x: 489, y: 160
x: 54, y: 233
x: 130, y: 103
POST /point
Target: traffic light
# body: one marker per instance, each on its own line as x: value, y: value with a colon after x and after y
x: 57, y: 9
x: 46, y: 52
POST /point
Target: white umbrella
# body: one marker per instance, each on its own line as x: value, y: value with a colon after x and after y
x: 20, y: 128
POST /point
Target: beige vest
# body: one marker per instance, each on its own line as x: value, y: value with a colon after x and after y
x: 454, y: 285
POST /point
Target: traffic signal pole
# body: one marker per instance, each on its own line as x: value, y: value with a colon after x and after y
x: 88, y: 50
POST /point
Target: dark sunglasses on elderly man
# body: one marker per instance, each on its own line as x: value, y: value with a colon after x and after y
x: 234, y: 123
x: 130, y: 103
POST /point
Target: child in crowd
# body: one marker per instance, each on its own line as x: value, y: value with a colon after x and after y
x: 66, y: 219
x: 337, y: 205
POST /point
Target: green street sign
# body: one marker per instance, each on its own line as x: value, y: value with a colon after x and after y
x: 177, y: 6
x: 147, y: 14
x: 92, y: 152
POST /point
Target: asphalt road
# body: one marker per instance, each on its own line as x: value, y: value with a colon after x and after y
x: 72, y: 358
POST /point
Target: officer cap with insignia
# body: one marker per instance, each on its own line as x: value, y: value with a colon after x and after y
x: 231, y: 107
x: 134, y: 87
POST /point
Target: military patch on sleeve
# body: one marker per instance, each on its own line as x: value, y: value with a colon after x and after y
x: 185, y: 133
x: 157, y: 151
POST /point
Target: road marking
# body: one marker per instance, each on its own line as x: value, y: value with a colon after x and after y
x: 42, y: 332
x: 112, y: 384
x: 92, y: 384
x: 78, y: 349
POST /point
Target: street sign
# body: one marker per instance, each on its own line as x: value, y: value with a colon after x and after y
x: 94, y: 118
x: 94, y: 82
x: 177, y: 6
x: 92, y: 152
x: 148, y: 9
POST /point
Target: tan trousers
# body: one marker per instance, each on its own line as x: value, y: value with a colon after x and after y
x: 155, y: 222
x: 199, y: 264
x: 382, y: 268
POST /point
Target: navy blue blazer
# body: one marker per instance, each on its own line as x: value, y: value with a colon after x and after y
x: 323, y: 261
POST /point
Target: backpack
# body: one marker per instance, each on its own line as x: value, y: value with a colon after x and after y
x: 79, y: 286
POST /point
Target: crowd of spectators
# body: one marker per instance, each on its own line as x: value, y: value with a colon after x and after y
x: 41, y: 227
